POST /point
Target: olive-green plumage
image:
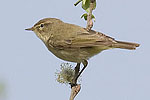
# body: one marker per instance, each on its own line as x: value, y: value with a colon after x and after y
x: 74, y: 43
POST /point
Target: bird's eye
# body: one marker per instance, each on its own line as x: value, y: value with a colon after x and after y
x: 42, y: 25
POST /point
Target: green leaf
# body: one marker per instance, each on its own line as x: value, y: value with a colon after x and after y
x: 85, y: 16
x: 93, y: 17
x: 86, y: 5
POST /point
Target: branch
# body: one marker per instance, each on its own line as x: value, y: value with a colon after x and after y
x: 74, y: 91
x: 89, y: 17
x: 75, y: 88
x: 92, y: 1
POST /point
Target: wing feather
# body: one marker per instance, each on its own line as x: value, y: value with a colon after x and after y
x: 86, y: 39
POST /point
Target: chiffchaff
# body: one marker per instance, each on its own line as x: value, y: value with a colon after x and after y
x: 74, y: 43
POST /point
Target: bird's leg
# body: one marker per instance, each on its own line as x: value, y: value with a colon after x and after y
x: 85, y: 63
x: 77, y: 69
x: 77, y: 73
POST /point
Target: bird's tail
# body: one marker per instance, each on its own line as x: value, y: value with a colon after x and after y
x: 125, y: 45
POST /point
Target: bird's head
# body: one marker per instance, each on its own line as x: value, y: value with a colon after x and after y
x: 44, y: 27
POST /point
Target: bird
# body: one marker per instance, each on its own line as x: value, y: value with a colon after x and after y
x: 74, y: 43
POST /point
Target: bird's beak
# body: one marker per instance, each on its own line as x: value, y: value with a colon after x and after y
x: 30, y: 29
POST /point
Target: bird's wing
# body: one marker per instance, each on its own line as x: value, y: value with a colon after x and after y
x: 92, y: 39
x: 87, y: 39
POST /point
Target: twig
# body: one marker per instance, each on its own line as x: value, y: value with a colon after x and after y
x: 92, y: 1
x: 77, y: 2
x: 89, y: 17
x: 74, y: 91
x: 75, y: 88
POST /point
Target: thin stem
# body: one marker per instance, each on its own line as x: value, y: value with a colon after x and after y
x: 74, y: 91
x: 89, y: 17
x: 77, y: 2
x: 75, y: 88
x: 92, y: 1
